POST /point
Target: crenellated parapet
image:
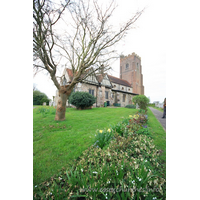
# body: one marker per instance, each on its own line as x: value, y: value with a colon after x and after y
x: 122, y: 57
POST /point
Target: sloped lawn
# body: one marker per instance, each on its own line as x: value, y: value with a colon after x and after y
x: 106, y: 153
x: 57, y: 144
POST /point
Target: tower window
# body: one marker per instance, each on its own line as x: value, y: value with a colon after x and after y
x: 127, y: 65
x: 138, y: 66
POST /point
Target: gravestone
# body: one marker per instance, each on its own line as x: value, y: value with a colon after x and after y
x: 50, y: 103
x: 44, y: 103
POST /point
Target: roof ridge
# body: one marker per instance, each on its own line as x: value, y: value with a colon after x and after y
x: 119, y: 78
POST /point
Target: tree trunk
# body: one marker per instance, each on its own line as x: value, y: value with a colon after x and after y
x: 61, y: 106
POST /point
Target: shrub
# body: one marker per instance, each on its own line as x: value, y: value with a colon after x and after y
x: 39, y: 98
x: 141, y: 100
x: 130, y: 106
x: 136, y: 122
x: 151, y: 104
x: 82, y: 100
x: 44, y: 99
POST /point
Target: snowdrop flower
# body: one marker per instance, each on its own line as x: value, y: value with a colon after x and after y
x: 133, y: 182
x: 106, y: 196
x: 145, y: 160
x: 35, y: 185
x: 154, y: 197
x: 121, y: 166
x: 81, y: 169
x: 94, y: 172
x: 139, y: 178
x: 117, y: 172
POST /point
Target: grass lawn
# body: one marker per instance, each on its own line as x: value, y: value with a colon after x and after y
x: 57, y: 144
x: 159, y: 136
x: 160, y: 109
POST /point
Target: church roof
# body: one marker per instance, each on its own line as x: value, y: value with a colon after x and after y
x: 69, y: 71
x: 100, y: 78
x: 119, y: 81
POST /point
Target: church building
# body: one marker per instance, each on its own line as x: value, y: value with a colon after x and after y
x: 110, y: 89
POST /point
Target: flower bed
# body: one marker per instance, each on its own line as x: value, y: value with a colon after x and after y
x: 123, y: 163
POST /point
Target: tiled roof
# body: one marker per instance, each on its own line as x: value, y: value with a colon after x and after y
x: 69, y: 71
x: 119, y: 81
x: 100, y: 78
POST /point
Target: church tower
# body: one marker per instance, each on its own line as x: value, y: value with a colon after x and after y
x: 131, y: 71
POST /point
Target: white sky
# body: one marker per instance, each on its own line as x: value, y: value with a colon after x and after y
x: 147, y: 39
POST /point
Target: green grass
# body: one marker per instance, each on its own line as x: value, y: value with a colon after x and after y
x: 159, y: 136
x: 57, y: 144
x: 160, y: 109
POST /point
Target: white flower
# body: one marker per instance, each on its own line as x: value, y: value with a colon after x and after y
x: 133, y: 182
x: 154, y: 197
x: 139, y: 178
x: 36, y: 186
x: 145, y: 160
x: 117, y: 172
x: 81, y: 169
x: 59, y: 178
x: 94, y: 172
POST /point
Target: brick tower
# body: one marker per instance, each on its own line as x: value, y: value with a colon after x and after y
x: 131, y: 71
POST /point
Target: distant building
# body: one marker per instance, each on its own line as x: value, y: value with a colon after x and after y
x: 107, y: 88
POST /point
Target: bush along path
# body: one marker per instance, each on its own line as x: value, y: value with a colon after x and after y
x: 123, y: 163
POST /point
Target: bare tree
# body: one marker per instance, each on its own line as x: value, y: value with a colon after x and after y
x: 88, y: 40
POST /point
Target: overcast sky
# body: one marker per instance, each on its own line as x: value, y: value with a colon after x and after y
x: 147, y: 39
